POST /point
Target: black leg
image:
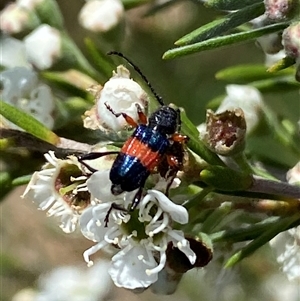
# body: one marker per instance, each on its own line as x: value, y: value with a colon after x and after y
x: 93, y: 156
x: 137, y: 198
x: 113, y: 206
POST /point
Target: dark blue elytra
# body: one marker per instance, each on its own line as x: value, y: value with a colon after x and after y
x: 128, y: 173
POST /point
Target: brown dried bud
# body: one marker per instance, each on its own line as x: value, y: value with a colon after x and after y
x: 177, y: 260
x: 278, y: 10
x: 178, y: 264
x: 225, y: 132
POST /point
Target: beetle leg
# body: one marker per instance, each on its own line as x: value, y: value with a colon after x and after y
x: 170, y: 183
x: 141, y: 114
x: 93, y: 156
x: 135, y: 202
x: 172, y: 161
x: 113, y: 206
x: 128, y: 119
x: 137, y: 198
x: 177, y: 137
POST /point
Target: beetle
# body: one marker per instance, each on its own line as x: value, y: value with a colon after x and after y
x: 154, y: 146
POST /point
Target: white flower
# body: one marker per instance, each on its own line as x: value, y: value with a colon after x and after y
x: 26, y: 294
x: 287, y: 243
x: 60, y: 189
x: 43, y: 46
x: 291, y: 43
x: 14, y: 19
x: 122, y: 94
x: 29, y: 4
x: 245, y: 97
x: 271, y: 59
x: 269, y: 43
x: 293, y: 175
x: 141, y: 237
x: 75, y: 284
x: 12, y: 53
x: 22, y: 89
x: 101, y: 15
x: 287, y: 247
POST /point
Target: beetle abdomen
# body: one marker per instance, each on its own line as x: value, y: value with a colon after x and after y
x: 139, y: 155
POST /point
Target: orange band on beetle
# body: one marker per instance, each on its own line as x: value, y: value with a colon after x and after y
x: 135, y: 148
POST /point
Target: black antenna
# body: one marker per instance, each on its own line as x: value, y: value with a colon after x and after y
x: 138, y: 70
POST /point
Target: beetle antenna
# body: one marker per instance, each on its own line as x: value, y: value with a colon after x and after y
x: 138, y: 70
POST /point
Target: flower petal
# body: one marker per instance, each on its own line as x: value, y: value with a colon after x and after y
x: 99, y: 186
x: 129, y: 270
x: 177, y: 212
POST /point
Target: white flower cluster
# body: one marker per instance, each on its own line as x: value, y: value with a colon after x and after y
x: 44, y: 43
x: 287, y: 244
x: 21, y: 88
x: 74, y: 283
x: 139, y: 238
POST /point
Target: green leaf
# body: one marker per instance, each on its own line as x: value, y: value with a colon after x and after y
x: 245, y: 233
x: 102, y: 62
x: 195, y: 144
x: 133, y: 3
x: 217, y: 27
x: 49, y: 13
x: 223, y: 41
x: 215, y: 218
x: 282, y: 225
x: 225, y: 179
x: 27, y: 123
x: 22, y: 180
x: 5, y: 183
x: 73, y: 58
x: 282, y: 83
x: 62, y: 80
x: 229, y: 4
x: 248, y: 73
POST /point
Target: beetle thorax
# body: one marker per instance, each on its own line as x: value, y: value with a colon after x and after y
x: 164, y: 120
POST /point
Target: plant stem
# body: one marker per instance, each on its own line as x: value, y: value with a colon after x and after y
x: 274, y: 187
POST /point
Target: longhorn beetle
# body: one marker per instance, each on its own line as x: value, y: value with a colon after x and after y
x: 155, y: 145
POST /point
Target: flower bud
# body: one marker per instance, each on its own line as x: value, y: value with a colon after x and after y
x: 291, y: 43
x: 225, y: 132
x: 101, y: 15
x: 201, y: 246
x: 29, y: 4
x: 278, y: 10
x: 121, y: 94
x: 271, y: 59
x: 248, y: 99
x: 43, y: 46
x: 178, y: 264
x: 269, y: 43
x: 293, y: 175
x: 47, y: 10
x: 12, y: 53
x: 22, y: 89
x: 291, y: 40
x: 16, y: 19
